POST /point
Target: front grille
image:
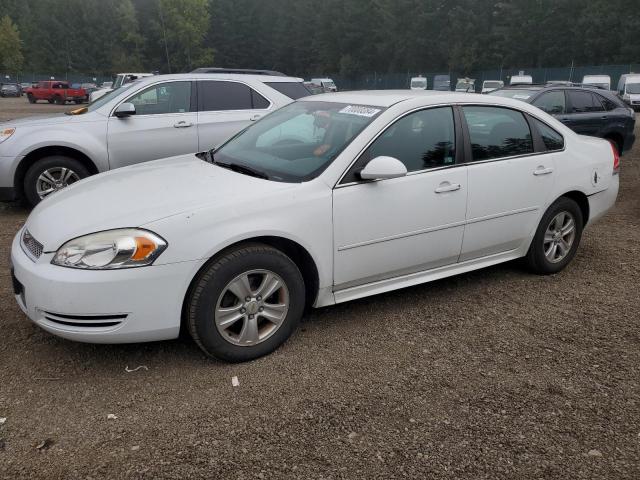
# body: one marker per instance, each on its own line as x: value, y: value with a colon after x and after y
x: 31, y: 246
x: 85, y: 321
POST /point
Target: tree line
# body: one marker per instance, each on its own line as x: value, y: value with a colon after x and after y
x: 303, y: 37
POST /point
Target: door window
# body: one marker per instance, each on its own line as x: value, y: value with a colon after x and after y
x: 552, y: 140
x: 216, y: 96
x: 551, y: 102
x: 584, y: 102
x: 497, y: 132
x: 420, y: 140
x: 173, y: 97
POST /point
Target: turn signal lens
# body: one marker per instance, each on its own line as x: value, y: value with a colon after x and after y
x: 111, y: 249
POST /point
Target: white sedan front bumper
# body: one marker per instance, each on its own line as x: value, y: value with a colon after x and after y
x: 108, y: 306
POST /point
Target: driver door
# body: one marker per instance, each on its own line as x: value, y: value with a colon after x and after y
x: 164, y: 125
x: 394, y: 227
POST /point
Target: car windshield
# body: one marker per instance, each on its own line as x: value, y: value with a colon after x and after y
x: 100, y: 101
x: 297, y: 142
x: 419, y: 83
x: 601, y: 85
x: 518, y: 94
x: 633, y: 88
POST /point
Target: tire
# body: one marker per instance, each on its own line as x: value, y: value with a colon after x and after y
x: 210, y: 291
x: 58, y: 100
x: 537, y: 259
x: 54, y: 163
x: 31, y: 99
x: 50, y: 100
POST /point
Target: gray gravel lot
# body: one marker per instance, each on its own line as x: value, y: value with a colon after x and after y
x: 493, y: 374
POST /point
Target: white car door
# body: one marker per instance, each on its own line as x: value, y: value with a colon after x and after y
x: 225, y: 108
x: 388, y: 228
x: 164, y: 125
x: 510, y: 181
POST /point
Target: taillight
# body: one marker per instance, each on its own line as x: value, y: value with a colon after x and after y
x: 616, y: 158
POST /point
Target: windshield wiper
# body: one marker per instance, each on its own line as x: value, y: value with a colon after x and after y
x: 236, y: 167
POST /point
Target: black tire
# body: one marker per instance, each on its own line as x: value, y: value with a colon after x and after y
x: 50, y: 100
x: 58, y: 100
x: 31, y: 99
x: 211, y: 284
x: 31, y: 177
x: 536, y: 259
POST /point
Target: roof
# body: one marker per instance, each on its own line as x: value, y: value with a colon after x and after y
x: 378, y: 98
x: 239, y: 71
x: 218, y: 76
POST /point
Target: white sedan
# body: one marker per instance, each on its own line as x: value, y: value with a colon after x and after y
x: 331, y: 198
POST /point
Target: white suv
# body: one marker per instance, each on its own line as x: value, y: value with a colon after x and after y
x: 151, y: 118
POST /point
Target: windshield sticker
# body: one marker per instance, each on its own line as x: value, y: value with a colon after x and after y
x: 360, y: 111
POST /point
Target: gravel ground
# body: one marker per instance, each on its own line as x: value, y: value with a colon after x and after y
x: 493, y: 374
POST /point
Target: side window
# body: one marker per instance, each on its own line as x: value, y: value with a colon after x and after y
x: 497, y: 132
x: 420, y: 140
x: 214, y: 96
x: 551, y: 102
x: 552, y: 139
x: 584, y: 102
x: 172, y: 97
x: 607, y: 104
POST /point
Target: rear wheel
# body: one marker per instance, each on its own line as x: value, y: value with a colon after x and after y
x: 31, y: 99
x: 51, y: 174
x: 557, y: 237
x: 246, y: 303
x: 58, y: 100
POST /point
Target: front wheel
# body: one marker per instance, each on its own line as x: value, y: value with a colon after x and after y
x: 31, y: 99
x: 51, y: 174
x: 557, y: 237
x: 58, y: 100
x: 246, y: 303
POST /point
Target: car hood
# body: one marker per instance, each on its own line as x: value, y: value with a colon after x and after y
x: 55, y: 118
x: 140, y: 194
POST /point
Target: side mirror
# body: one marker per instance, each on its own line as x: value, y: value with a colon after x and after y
x: 381, y: 168
x: 125, y: 110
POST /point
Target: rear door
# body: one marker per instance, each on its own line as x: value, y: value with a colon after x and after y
x: 224, y: 108
x: 588, y: 116
x: 509, y: 182
x: 164, y: 125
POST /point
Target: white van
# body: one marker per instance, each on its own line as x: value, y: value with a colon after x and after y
x: 521, y: 80
x: 603, y: 81
x: 491, y: 85
x: 418, y: 83
x: 325, y: 83
x: 629, y: 89
x: 121, y: 79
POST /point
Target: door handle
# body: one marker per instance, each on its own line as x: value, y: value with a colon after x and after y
x: 255, y: 117
x: 183, y: 124
x: 447, y: 187
x: 541, y: 170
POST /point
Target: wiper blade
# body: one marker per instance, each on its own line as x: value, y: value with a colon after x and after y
x: 236, y: 167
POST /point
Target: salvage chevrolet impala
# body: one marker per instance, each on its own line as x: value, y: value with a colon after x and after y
x: 331, y: 198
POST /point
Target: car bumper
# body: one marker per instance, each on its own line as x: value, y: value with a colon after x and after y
x: 7, y: 174
x: 601, y: 202
x: 113, y: 306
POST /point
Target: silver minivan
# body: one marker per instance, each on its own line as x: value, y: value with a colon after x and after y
x: 151, y: 118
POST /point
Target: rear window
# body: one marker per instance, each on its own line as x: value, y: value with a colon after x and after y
x: 220, y: 95
x: 293, y: 90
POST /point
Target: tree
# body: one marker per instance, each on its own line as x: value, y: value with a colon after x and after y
x: 11, y: 58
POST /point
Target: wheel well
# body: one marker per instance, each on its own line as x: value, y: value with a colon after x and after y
x: 617, y: 139
x: 582, y: 201
x: 43, y: 152
x: 296, y: 252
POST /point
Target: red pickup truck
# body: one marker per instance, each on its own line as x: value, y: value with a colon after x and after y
x: 55, y: 91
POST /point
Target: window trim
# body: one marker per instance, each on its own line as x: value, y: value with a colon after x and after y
x: 111, y: 113
x: 200, y: 80
x: 459, y: 146
x: 543, y: 147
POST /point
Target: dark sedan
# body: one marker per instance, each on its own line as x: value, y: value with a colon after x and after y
x: 587, y: 111
x: 10, y: 90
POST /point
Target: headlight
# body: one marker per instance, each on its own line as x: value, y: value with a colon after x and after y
x: 111, y: 249
x: 6, y: 133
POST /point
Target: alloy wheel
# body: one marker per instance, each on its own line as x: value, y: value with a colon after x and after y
x: 252, y: 307
x: 54, y: 179
x: 559, y: 237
